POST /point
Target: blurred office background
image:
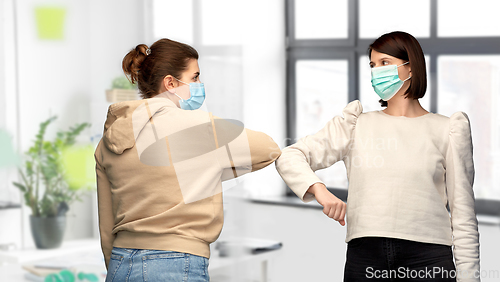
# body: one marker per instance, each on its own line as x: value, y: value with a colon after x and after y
x: 281, y: 67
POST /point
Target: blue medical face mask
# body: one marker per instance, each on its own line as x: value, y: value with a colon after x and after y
x: 197, y: 91
x: 386, y: 82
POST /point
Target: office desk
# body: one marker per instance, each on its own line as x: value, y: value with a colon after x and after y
x: 11, y: 270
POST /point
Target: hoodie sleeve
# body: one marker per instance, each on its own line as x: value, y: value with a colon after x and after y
x: 246, y: 150
x: 263, y: 150
x: 104, y: 205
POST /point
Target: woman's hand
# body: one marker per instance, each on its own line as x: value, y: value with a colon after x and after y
x: 333, y: 207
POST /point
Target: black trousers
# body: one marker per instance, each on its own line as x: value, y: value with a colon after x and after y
x: 391, y: 259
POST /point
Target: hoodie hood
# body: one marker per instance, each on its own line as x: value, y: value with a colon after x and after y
x: 126, y: 119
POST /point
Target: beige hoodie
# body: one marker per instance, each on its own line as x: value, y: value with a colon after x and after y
x: 159, y: 171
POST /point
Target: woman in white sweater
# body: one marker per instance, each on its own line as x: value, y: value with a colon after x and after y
x: 405, y: 166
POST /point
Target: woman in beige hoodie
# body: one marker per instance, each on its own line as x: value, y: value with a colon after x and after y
x: 159, y: 169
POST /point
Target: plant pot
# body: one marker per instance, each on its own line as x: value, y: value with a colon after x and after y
x: 48, y: 232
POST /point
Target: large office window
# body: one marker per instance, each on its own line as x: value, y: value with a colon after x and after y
x: 328, y: 67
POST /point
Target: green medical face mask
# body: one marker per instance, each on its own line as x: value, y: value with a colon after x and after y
x: 386, y: 82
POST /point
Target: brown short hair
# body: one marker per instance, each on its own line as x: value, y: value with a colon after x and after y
x: 166, y: 57
x: 404, y: 46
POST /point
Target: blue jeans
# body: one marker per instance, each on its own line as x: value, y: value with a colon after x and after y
x: 132, y: 265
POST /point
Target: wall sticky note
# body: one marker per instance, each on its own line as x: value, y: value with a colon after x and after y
x: 79, y: 166
x: 50, y: 22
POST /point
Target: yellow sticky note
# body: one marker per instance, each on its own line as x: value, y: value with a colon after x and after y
x: 79, y: 166
x: 50, y: 22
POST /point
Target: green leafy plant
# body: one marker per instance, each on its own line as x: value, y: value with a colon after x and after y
x: 44, y: 165
x: 122, y: 82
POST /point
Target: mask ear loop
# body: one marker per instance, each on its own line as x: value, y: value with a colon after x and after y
x: 182, y: 82
x: 176, y: 93
x: 178, y: 96
x: 403, y: 65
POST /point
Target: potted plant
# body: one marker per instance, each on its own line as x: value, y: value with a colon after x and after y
x: 122, y: 90
x: 45, y: 185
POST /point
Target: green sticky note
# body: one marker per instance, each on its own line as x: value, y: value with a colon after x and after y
x: 8, y: 156
x: 50, y: 22
x: 79, y: 166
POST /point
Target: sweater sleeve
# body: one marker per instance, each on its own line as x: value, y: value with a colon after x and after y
x: 459, y: 182
x: 297, y: 163
x: 105, y: 211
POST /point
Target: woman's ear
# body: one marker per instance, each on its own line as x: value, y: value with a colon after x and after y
x: 168, y: 83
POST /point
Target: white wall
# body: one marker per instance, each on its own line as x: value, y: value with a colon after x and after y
x: 115, y: 27
x: 264, y: 85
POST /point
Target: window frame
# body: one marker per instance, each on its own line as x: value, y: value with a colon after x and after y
x: 353, y: 48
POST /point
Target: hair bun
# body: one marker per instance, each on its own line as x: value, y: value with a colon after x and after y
x: 142, y: 49
x: 131, y: 64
